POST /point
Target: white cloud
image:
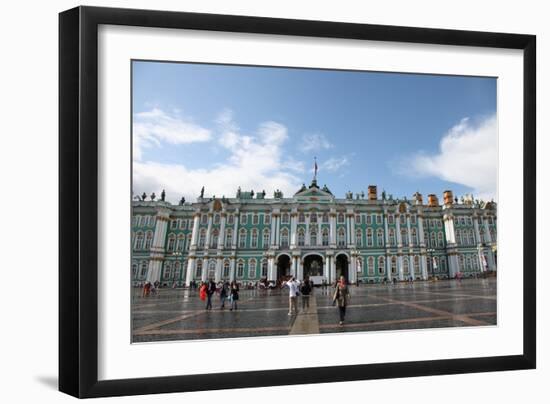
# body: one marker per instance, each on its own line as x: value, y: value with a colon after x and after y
x: 150, y: 128
x: 314, y: 142
x: 333, y: 164
x: 468, y: 155
x: 255, y: 162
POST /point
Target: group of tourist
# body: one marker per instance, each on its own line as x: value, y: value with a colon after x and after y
x: 226, y: 290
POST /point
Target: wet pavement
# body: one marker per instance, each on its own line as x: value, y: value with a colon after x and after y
x: 179, y: 314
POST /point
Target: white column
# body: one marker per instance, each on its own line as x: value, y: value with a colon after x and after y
x: 208, y: 231
x: 326, y: 270
x: 272, y: 275
x: 453, y: 265
x: 235, y: 231
x: 449, y: 229
x: 386, y: 235
x: 398, y: 231
x: 476, y: 227
x: 190, y: 269
x: 332, y: 220
x: 153, y: 272
x: 348, y: 238
x: 204, y: 275
x: 300, y: 265
x: 400, y: 267
x: 319, y: 234
x: 293, y: 218
x: 332, y: 269
x: 307, y: 241
x: 487, y: 233
x: 389, y: 275
x: 273, y: 228
x: 420, y: 219
x: 278, y: 231
x: 218, y: 276
x: 352, y: 230
x: 221, y: 237
x: 409, y: 229
x: 353, y: 270
x: 424, y: 266
x: 232, y: 269
x: 294, y: 268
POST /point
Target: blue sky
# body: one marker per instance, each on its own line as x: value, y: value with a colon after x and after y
x: 260, y: 128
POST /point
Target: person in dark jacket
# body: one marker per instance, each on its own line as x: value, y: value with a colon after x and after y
x: 305, y: 290
x: 224, y: 291
x: 234, y: 295
x: 210, y: 290
x: 341, y: 298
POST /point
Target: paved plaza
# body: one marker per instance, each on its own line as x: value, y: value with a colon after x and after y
x: 179, y: 314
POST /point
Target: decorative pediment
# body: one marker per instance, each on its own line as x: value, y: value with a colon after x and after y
x: 313, y: 193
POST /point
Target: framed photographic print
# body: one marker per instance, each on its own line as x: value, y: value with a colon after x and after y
x: 242, y: 197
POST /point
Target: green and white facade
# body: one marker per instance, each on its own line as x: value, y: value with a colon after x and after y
x: 313, y: 233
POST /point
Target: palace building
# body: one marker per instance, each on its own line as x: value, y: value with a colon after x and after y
x: 366, y: 238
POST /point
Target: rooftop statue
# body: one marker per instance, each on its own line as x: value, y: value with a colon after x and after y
x: 153, y: 196
x: 163, y: 195
x: 143, y: 196
x: 182, y: 200
x: 202, y: 192
x: 383, y: 195
x: 239, y: 192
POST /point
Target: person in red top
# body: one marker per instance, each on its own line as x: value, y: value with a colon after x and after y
x: 202, y: 291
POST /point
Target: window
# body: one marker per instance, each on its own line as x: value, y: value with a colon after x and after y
x: 301, y: 218
x: 370, y: 266
x: 151, y: 220
x: 252, y: 269
x: 325, y: 217
x: 313, y: 236
x: 171, y: 242
x: 228, y: 237
x: 401, y: 219
x: 301, y: 237
x: 340, y: 218
x: 469, y: 221
x: 313, y: 218
x: 390, y: 219
x: 414, y: 236
x: 392, y: 237
x: 381, y: 265
x: 143, y: 272
x: 134, y: 270
x: 462, y: 221
x: 359, y: 238
x: 181, y: 243
x: 490, y: 220
x: 189, y: 237
x: 432, y: 237
x: 177, y: 271
x: 198, y: 269
x: 358, y: 219
x: 265, y: 239
x: 369, y: 219
x: 380, y: 238
x: 416, y: 264
x: 404, y: 236
x: 369, y: 237
x: 174, y: 224
x: 493, y: 235
x: 182, y: 223
x: 341, y: 237
x: 254, y: 239
x: 244, y: 219
x: 413, y: 219
x: 325, y: 236
x: 468, y: 263
x: 230, y: 219
x: 426, y: 238
x: 204, y: 219
x: 475, y: 263
x: 406, y: 265
x: 267, y: 219
x: 440, y: 242
x: 211, y: 269
x: 167, y: 271
x: 443, y: 264
x: 242, y: 238
x: 285, y: 218
x: 216, y: 219
x: 240, y: 269
x: 139, y: 241
x: 148, y: 240
x: 202, y: 238
x: 393, y: 265
x: 225, y: 273
x: 461, y: 262
x: 264, y: 268
x: 215, y: 236
x: 378, y: 219
x: 284, y: 238
x: 255, y: 219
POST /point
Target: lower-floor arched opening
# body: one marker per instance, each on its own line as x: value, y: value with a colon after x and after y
x: 313, y: 266
x: 283, y: 267
x: 342, y: 267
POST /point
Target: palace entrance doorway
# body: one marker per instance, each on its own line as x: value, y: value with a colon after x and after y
x: 313, y: 266
x: 342, y: 266
x: 283, y: 267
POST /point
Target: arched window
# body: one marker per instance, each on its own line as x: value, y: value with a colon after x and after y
x: 189, y: 237
x: 230, y: 219
x: 401, y: 219
x: 242, y: 238
x: 416, y: 264
x: 468, y: 263
x: 171, y: 242
x: 284, y: 238
x: 301, y: 218
x: 380, y: 238
x: 244, y: 218
x: 341, y: 237
x: 143, y: 273
x: 313, y: 236
x: 393, y: 265
x: 392, y: 237
x: 148, y: 240
x: 359, y: 238
x: 443, y: 264
x: 471, y: 238
x: 475, y: 263
x: 173, y: 225
x: 214, y: 241
x: 204, y: 219
x: 301, y: 237
x: 285, y: 218
x: 370, y: 266
x: 202, y: 238
x: 267, y: 219
x: 325, y: 217
x: 414, y: 236
x: 390, y: 219
x: 254, y: 239
x: 134, y: 270
x: 369, y: 237
x: 432, y: 235
x: 252, y: 269
x: 461, y: 262
x: 265, y: 239
x: 325, y: 236
x: 369, y: 219
x: 404, y: 236
x: 255, y: 219
x: 313, y: 218
x: 139, y: 241
x: 264, y: 268
x: 440, y: 241
x: 228, y: 237
x: 177, y: 271
x: 381, y: 265
x: 226, y: 269
x: 340, y: 218
x: 211, y: 269
x: 198, y: 269
x: 426, y: 238
x: 462, y: 221
x: 216, y: 218
x: 240, y: 269
x: 378, y: 219
x: 167, y: 271
x: 181, y: 243
x: 406, y: 265
x: 413, y: 219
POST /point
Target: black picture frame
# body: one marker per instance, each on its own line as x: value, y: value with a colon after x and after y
x: 78, y: 196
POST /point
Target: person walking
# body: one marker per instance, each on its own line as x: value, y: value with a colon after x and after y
x: 224, y: 291
x: 202, y: 291
x: 306, y: 290
x: 341, y: 298
x: 293, y: 286
x: 210, y: 290
x: 233, y: 295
